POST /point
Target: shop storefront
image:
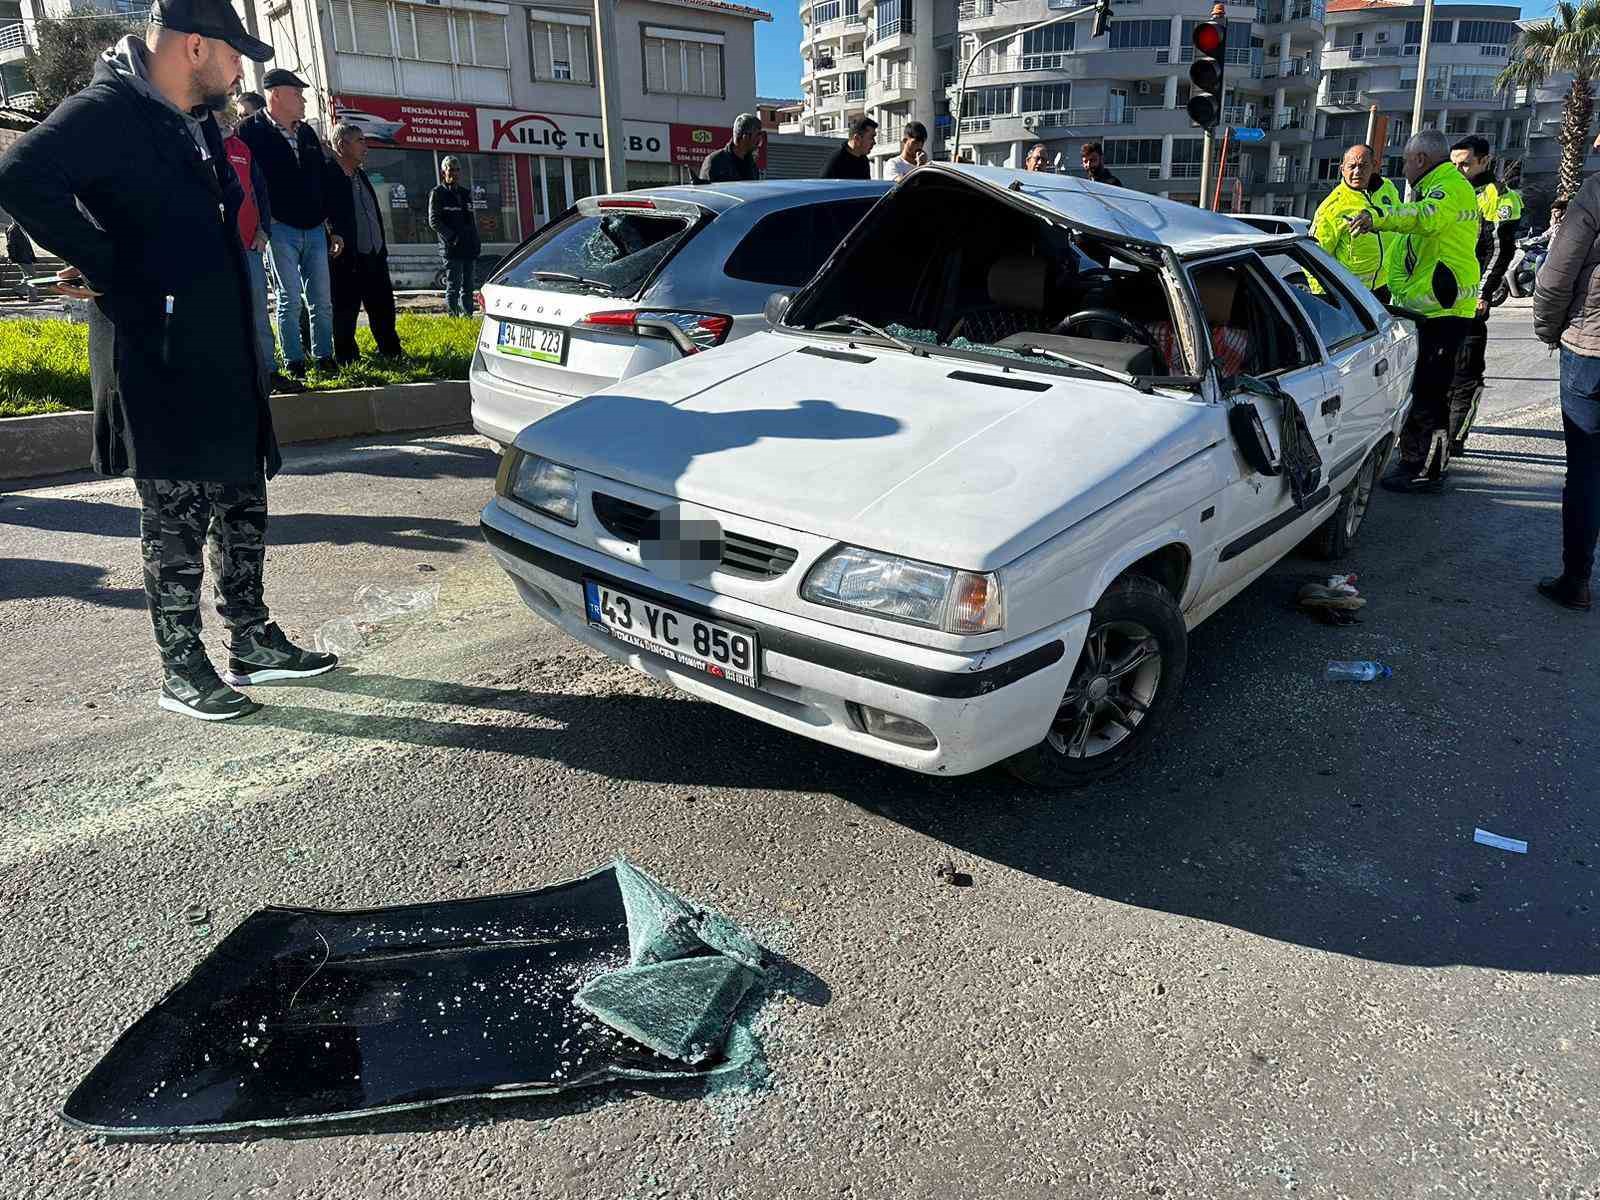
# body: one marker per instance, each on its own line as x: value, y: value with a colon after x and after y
x: 522, y: 167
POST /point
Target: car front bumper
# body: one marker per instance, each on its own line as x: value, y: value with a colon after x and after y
x: 981, y: 706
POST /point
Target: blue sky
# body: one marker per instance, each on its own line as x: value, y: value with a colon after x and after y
x: 778, y: 51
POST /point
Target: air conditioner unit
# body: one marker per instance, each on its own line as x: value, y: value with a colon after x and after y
x: 1380, y: 37
x: 1030, y: 121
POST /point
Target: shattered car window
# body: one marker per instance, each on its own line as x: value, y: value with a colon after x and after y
x: 302, y: 1016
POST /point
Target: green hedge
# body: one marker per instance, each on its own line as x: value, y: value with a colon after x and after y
x: 44, y: 365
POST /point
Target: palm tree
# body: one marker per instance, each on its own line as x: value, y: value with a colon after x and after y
x: 1568, y: 41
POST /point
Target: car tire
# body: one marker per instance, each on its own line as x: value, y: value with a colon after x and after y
x: 1092, y: 736
x: 1335, y: 536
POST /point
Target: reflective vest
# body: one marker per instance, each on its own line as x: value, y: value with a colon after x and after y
x: 1362, y: 256
x: 1510, y: 206
x: 1434, y: 271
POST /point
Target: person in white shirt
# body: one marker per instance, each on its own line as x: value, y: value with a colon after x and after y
x: 912, y: 154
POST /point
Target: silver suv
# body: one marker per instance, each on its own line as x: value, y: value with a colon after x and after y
x: 624, y: 283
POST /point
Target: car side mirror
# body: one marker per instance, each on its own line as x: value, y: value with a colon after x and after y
x: 777, y: 305
x: 1244, y: 422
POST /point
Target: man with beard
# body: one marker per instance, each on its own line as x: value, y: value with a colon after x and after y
x: 128, y: 182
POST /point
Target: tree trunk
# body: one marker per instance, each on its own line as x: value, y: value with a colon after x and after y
x: 1576, y: 113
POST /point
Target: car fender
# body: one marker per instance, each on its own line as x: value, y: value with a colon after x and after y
x: 1068, y: 574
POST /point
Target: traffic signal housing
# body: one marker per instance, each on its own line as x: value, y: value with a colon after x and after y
x: 1210, y: 39
x: 1102, y: 18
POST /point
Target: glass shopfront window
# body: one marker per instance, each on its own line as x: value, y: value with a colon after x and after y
x: 403, y: 180
x: 492, y: 180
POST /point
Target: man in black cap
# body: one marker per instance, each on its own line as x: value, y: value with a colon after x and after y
x: 128, y: 182
x: 291, y: 157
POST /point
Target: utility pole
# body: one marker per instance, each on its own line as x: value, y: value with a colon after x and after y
x: 1422, y: 69
x: 605, y: 50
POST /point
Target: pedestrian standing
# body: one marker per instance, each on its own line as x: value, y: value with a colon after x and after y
x: 291, y: 157
x: 913, y: 152
x: 736, y: 161
x: 1566, y: 313
x: 453, y: 219
x: 1094, y: 164
x: 1496, y: 247
x: 849, y: 161
x: 361, y: 274
x: 18, y: 248
x: 128, y: 182
x: 250, y: 103
x: 1432, y: 274
x: 255, y: 226
x: 1038, y: 158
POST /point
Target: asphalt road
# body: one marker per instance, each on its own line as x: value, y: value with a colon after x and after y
x: 1271, y: 960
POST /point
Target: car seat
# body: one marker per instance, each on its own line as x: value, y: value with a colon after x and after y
x: 1019, y: 291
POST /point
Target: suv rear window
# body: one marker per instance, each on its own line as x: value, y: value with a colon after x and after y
x: 618, y: 249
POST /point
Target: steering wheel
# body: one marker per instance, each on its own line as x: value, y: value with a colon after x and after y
x: 1107, y: 316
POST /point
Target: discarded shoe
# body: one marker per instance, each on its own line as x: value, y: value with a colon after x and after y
x: 267, y: 655
x: 195, y: 691
x: 1568, y: 593
x: 1318, y: 595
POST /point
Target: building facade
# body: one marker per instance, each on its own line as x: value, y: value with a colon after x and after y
x: 18, y: 22
x: 1370, y: 66
x: 510, y: 90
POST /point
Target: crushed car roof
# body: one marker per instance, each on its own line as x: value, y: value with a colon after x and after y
x: 720, y: 197
x: 1116, y: 212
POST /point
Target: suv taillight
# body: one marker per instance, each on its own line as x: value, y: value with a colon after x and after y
x: 693, y: 332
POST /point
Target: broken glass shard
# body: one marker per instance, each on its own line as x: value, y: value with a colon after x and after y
x: 301, y: 1016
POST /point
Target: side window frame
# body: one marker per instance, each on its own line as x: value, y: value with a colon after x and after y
x: 787, y: 213
x: 1371, y: 308
x: 1288, y: 312
x: 1367, y: 326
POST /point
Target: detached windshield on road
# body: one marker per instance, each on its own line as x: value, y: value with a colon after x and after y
x: 613, y: 252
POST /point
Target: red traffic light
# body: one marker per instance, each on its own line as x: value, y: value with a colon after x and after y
x: 1210, y: 37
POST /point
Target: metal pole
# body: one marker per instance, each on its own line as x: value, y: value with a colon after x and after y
x: 1222, y: 167
x: 961, y: 87
x: 606, y: 54
x: 1422, y: 68
x: 1372, y: 126
x: 1205, y: 165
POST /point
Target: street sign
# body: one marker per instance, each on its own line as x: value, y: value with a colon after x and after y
x: 1249, y: 135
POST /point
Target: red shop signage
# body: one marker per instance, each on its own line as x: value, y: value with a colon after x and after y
x: 693, y: 144
x: 410, y: 123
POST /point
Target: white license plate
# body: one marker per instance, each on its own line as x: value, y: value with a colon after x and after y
x: 538, y: 342
x: 690, y: 641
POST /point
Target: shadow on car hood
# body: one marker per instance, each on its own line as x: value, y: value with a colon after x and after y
x: 941, y: 459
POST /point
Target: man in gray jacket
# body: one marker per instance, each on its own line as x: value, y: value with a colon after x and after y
x: 1566, y: 313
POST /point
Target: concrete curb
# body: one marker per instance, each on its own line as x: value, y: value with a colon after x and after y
x: 56, y: 443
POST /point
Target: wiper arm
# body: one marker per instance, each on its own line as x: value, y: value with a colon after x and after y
x: 567, y: 277
x: 850, y: 321
x: 1137, y: 382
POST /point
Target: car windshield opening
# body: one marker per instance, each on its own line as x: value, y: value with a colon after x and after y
x: 610, y: 252
x: 946, y: 267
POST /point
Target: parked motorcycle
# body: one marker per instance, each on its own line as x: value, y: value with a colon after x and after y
x: 1523, y: 271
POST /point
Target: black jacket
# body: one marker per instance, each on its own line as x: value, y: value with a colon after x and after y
x: 451, y: 217
x: 341, y: 204
x: 844, y: 165
x: 18, y: 248
x: 178, y: 390
x: 726, y: 166
x: 1101, y: 175
x: 295, y: 186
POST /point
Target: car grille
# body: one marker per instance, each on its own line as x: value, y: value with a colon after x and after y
x: 742, y: 554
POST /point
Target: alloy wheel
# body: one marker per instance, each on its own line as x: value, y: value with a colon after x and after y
x: 1111, y: 691
x: 1356, y: 510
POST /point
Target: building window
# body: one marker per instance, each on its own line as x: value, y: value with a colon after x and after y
x: 682, y: 62
x: 559, y: 47
x: 1141, y: 35
x: 1519, y: 132
x: 1116, y: 105
x: 986, y: 102
x: 362, y: 27
x: 1441, y: 32
x: 1138, y: 152
x: 1046, y: 97
x: 1491, y: 33
x: 1042, y: 48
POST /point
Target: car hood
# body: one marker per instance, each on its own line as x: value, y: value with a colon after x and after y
x: 926, y: 457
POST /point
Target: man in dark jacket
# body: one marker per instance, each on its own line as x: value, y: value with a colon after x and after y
x: 128, y: 182
x: 737, y: 160
x: 291, y: 157
x: 361, y: 274
x: 451, y: 216
x: 850, y: 160
x: 1094, y: 164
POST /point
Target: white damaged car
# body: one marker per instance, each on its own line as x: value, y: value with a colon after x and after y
x: 964, y: 502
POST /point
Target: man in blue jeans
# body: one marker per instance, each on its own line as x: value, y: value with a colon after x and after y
x: 291, y: 157
x: 1566, y: 312
x: 451, y: 215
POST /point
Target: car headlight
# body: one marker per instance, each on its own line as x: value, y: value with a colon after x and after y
x: 541, y: 484
x: 903, y: 589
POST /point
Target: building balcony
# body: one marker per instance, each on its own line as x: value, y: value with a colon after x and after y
x: 1238, y: 56
x: 831, y: 32
x: 885, y: 37
x: 1303, y: 17
x: 1345, y: 98
x: 26, y: 101
x: 977, y: 16
x: 1068, y: 122
x: 13, y: 44
x: 1291, y: 126
x: 1288, y: 174
x: 893, y: 89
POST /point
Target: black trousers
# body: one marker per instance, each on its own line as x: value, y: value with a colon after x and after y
x: 1580, y: 503
x: 176, y: 520
x: 363, y: 280
x: 1468, y: 380
x: 1439, y: 341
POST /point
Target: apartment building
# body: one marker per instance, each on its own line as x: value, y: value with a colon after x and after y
x: 901, y: 59
x: 18, y: 21
x: 1371, y: 60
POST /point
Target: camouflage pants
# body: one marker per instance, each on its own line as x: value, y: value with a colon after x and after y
x: 178, y: 518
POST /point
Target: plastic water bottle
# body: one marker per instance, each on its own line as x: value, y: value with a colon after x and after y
x: 1358, y: 672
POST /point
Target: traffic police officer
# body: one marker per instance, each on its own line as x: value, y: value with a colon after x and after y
x: 1433, y: 277
x: 1359, y: 186
x: 1471, y: 157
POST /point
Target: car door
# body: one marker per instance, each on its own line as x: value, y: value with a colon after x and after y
x: 1358, y: 359
x: 1264, y: 336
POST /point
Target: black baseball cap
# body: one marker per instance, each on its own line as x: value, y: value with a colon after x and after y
x: 282, y: 77
x: 212, y: 19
